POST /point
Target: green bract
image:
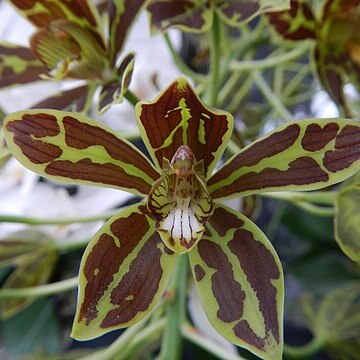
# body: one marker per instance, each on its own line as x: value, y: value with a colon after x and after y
x: 127, y: 265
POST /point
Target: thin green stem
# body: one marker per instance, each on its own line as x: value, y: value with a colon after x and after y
x: 175, y: 313
x: 314, y: 209
x: 214, y: 61
x: 179, y: 62
x: 314, y: 197
x: 210, y: 346
x: 63, y: 221
x: 40, y: 291
x: 68, y: 246
x: 271, y: 96
x: 304, y: 351
x: 269, y: 62
x: 131, y: 97
x: 239, y: 95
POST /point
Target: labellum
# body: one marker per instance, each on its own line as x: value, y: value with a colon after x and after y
x: 179, y: 201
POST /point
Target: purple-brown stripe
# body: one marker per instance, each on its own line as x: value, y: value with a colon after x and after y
x: 347, y: 149
x: 105, y: 258
x: 268, y: 147
x: 227, y: 291
x: 316, y: 137
x: 137, y: 289
x: 260, y: 269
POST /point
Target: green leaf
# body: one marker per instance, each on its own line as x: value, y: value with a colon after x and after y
x: 113, y: 92
x: 122, y: 15
x: 240, y: 283
x: 33, y: 272
x: 123, y: 274
x: 297, y: 23
x: 18, y: 65
x: 78, y: 99
x: 70, y: 147
x: 178, y: 117
x: 347, y: 221
x: 336, y: 320
x: 303, y: 155
x: 237, y: 12
x: 185, y: 15
x: 5, y: 154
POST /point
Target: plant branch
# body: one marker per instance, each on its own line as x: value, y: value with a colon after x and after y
x: 304, y: 351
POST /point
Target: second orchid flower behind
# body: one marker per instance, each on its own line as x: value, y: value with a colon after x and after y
x: 128, y: 263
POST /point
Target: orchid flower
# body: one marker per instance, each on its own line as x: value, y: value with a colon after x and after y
x: 73, y: 42
x: 127, y: 265
x: 336, y: 38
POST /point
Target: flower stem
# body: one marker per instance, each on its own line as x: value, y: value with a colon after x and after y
x: 214, y: 61
x: 56, y: 221
x: 175, y: 312
x: 210, y: 346
x: 268, y: 62
x: 131, y: 97
x: 40, y: 291
x: 304, y: 351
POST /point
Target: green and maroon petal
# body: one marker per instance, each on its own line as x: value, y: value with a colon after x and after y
x: 304, y: 155
x: 237, y: 12
x: 18, y: 65
x: 178, y: 117
x: 113, y: 92
x: 240, y: 283
x: 122, y: 15
x: 347, y: 222
x: 297, y: 23
x: 78, y: 99
x: 123, y: 274
x: 42, y: 12
x: 70, y: 147
x: 186, y: 15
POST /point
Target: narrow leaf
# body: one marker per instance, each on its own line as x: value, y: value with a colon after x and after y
x: 304, y: 155
x: 240, y: 283
x: 178, y: 117
x: 78, y: 99
x: 73, y: 148
x: 186, y: 15
x: 123, y: 274
x: 18, y: 65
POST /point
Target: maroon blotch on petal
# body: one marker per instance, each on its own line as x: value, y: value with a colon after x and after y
x: 316, y: 137
x: 199, y: 272
x: 221, y: 226
x: 227, y: 291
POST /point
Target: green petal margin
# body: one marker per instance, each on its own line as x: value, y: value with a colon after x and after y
x: 307, y: 154
x: 240, y: 283
x: 74, y: 148
x: 347, y: 221
x: 178, y: 117
x: 123, y: 274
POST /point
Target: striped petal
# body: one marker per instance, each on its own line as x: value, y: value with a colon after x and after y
x: 18, y: 65
x: 178, y: 117
x: 237, y: 12
x: 297, y: 23
x: 122, y: 15
x: 240, y: 283
x: 304, y: 155
x: 123, y: 274
x: 78, y: 99
x: 186, y: 15
x: 73, y: 148
x: 42, y: 12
